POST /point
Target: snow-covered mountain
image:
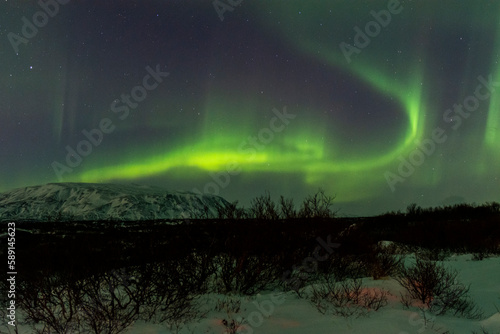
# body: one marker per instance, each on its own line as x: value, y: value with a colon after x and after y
x: 93, y: 201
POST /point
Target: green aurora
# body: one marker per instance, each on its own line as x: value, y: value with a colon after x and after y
x: 351, y: 121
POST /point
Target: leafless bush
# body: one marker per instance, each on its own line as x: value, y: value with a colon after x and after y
x: 406, y: 300
x: 193, y: 271
x: 196, y: 212
x: 384, y: 264
x: 433, y: 254
x: 9, y: 328
x: 481, y: 255
x: 110, y: 303
x: 297, y: 279
x: 232, y: 326
x: 317, y: 206
x: 98, y: 304
x: 230, y: 306
x: 413, y: 211
x: 246, y: 274
x: 263, y: 207
x: 347, y: 298
x: 437, y: 287
x: 457, y: 302
x: 339, y: 267
x: 230, y: 211
x: 424, y: 280
x: 51, y: 304
x: 374, y: 299
x: 171, y: 296
x: 287, y: 208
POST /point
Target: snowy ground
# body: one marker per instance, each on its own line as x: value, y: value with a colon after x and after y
x: 277, y: 312
x: 286, y: 313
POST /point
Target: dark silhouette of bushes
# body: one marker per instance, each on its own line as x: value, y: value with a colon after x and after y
x: 460, y: 228
x: 51, y: 303
x: 108, y: 302
x: 453, y: 212
x: 437, y: 288
x: 287, y: 208
x: 92, y: 276
x: 244, y: 274
x: 340, y: 267
x: 263, y: 208
x: 413, y: 211
x: 347, y: 298
x: 231, y: 211
x: 383, y: 263
x: 317, y: 206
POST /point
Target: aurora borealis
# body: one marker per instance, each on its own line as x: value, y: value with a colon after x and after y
x: 265, y: 99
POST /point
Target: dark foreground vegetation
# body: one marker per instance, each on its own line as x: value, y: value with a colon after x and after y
x: 101, y: 277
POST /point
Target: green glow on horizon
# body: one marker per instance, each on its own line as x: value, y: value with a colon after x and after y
x: 299, y: 148
x: 303, y: 147
x: 306, y: 146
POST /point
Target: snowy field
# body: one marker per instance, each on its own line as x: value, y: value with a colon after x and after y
x: 273, y: 312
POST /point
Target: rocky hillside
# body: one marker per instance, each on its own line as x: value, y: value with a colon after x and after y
x: 92, y: 201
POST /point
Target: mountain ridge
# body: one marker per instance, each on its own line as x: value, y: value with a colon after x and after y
x: 104, y: 201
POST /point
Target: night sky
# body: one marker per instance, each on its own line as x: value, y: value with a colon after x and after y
x: 381, y: 103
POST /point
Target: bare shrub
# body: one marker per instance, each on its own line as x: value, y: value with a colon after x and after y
x: 287, y: 208
x: 339, y: 267
x: 232, y: 326
x: 480, y: 255
x: 457, y: 302
x: 193, y: 271
x: 51, y: 303
x: 100, y: 303
x: 170, y: 296
x: 424, y: 280
x: 384, y: 263
x: 263, y: 207
x: 245, y: 274
x: 413, y: 211
x: 433, y: 254
x: 110, y: 303
x: 437, y: 288
x: 406, y: 300
x: 230, y: 306
x: 317, y: 206
x: 230, y: 211
x: 297, y: 279
x: 347, y: 298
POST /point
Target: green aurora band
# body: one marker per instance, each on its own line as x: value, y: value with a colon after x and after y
x: 305, y: 146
